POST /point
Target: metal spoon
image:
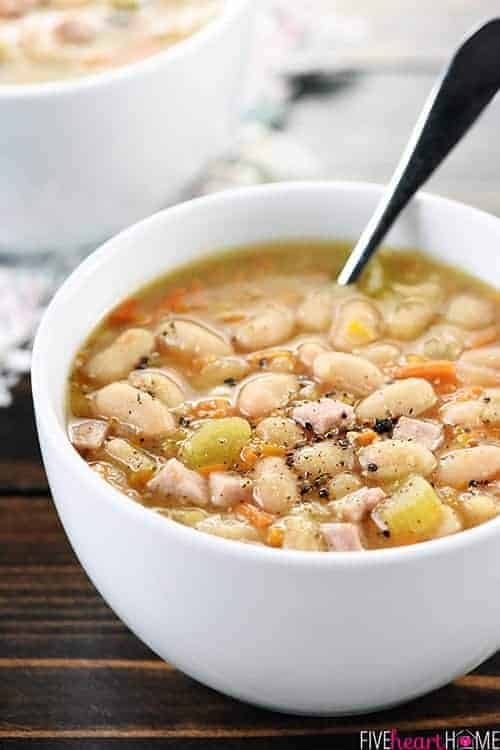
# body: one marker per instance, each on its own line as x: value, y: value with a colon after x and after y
x: 468, y: 84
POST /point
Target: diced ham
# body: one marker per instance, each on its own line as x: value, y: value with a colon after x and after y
x: 177, y: 481
x: 342, y: 537
x: 227, y: 490
x: 428, y: 434
x: 89, y: 434
x: 356, y: 506
x: 324, y: 415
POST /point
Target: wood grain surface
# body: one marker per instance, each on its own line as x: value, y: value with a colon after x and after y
x: 71, y: 674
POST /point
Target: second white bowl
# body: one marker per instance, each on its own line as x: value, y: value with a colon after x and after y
x: 81, y: 159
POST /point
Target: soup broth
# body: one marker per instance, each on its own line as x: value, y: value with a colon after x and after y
x: 250, y: 397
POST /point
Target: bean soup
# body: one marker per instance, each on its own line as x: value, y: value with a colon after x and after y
x: 250, y: 397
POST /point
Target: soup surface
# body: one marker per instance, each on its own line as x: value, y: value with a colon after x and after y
x: 250, y: 397
x: 43, y: 40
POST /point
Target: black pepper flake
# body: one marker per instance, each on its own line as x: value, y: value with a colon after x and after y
x: 184, y: 422
x: 323, y: 492
x: 478, y: 482
x: 263, y: 362
x: 306, y: 487
x: 230, y: 381
x: 386, y: 533
x: 289, y: 459
x: 372, y: 467
x: 343, y: 443
x: 383, y: 425
x: 143, y: 363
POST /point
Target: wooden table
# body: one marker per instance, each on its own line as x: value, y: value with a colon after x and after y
x: 71, y: 674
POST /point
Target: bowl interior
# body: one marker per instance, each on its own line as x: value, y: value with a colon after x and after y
x: 450, y: 231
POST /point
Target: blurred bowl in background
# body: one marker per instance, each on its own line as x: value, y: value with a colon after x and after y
x: 81, y: 159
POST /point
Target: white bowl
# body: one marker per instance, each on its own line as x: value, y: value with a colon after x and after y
x: 303, y: 632
x: 83, y: 158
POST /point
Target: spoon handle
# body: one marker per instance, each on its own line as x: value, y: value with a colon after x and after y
x: 470, y: 81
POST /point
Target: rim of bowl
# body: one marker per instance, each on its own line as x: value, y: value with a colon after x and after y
x: 230, y: 10
x: 62, y: 448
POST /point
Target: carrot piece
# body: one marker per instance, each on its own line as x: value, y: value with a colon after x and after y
x: 442, y: 371
x: 248, y: 457
x: 258, y: 518
x: 127, y: 312
x: 482, y: 338
x: 207, y: 470
x: 366, y: 437
x: 271, y: 450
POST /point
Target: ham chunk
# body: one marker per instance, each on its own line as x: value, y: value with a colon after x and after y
x: 89, y: 434
x: 356, y: 506
x: 429, y: 434
x: 176, y: 481
x: 342, y: 537
x: 324, y: 415
x: 227, y: 490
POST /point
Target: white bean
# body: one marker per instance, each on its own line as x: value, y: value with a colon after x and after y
x: 343, y: 484
x: 272, y: 325
x: 301, y: 533
x: 381, y: 354
x: 486, y: 356
x: 308, y: 351
x: 409, y: 398
x: 228, y: 528
x: 118, y: 359
x: 280, y: 431
x: 264, y: 393
x: 469, y: 311
x: 484, y: 410
x: 135, y: 408
x: 346, y: 372
x: 460, y: 467
x: 192, y: 339
x: 477, y: 507
x: 357, y: 322
x: 275, y: 486
x: 469, y: 374
x: 440, y: 341
x: 388, y: 460
x: 315, y: 312
x: 322, y: 459
x: 161, y: 384
x: 221, y: 369
x: 409, y: 317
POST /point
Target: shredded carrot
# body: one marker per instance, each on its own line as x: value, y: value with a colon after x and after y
x: 366, y: 437
x: 207, y: 470
x: 441, y: 371
x: 258, y: 518
x: 275, y: 537
x: 248, y: 457
x: 482, y: 338
x: 128, y: 312
x: 271, y: 450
